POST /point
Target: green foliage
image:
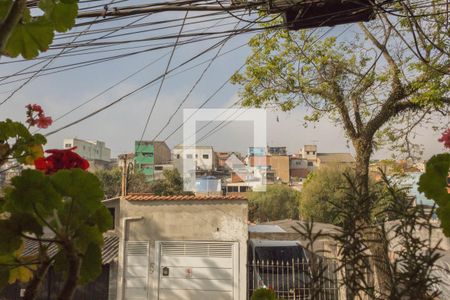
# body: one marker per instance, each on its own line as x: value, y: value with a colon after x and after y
x: 321, y: 191
x: 264, y: 294
x: 433, y: 183
x: 172, y: 184
x: 18, y: 143
x: 34, y: 34
x: 111, y: 182
x: 346, y: 79
x: 326, y: 190
x: 68, y: 203
x: 276, y: 203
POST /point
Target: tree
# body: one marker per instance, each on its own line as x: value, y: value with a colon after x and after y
x: 321, y: 190
x: 172, y: 184
x: 22, y: 33
x: 376, y: 85
x: 276, y: 203
x: 111, y: 181
x: 326, y: 189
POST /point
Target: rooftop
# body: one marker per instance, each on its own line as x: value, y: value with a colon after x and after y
x: 152, y: 197
x: 335, y: 157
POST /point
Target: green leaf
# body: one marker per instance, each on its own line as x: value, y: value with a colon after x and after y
x: 10, y: 237
x: 30, y: 38
x: 61, y: 13
x: 103, y: 219
x: 433, y: 183
x: 27, y: 223
x: 82, y: 187
x: 4, y: 8
x: 86, y: 235
x: 91, y: 264
x: 32, y: 189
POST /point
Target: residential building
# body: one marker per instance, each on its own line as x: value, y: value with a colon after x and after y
x: 151, y: 156
x: 275, y: 164
x: 343, y: 159
x: 222, y: 158
x: 169, y: 244
x: 95, y: 152
x: 208, y: 185
x: 203, y: 157
x: 90, y: 150
x: 276, y: 150
x: 279, y: 164
x: 309, y: 159
x: 256, y: 151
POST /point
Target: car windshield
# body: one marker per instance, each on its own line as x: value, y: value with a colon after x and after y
x: 279, y: 253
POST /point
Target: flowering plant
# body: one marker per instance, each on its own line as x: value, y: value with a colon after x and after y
x: 445, y: 138
x: 60, y: 159
x: 36, y: 116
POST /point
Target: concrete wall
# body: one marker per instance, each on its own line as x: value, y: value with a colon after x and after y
x: 90, y: 150
x: 204, y: 220
x: 162, y: 153
x: 280, y: 164
x: 196, y: 154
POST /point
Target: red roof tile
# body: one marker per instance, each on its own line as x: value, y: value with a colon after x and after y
x: 151, y: 197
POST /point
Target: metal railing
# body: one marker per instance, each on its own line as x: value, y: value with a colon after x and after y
x: 295, y: 279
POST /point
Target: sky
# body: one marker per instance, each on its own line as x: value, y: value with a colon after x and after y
x: 122, y: 124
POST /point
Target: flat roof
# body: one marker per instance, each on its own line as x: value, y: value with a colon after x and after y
x: 152, y: 197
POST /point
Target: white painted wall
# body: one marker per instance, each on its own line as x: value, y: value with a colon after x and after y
x: 90, y: 150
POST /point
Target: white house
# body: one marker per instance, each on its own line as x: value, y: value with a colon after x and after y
x: 90, y: 150
x: 181, y: 247
x: 203, y: 157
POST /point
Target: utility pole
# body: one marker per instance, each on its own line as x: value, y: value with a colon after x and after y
x: 123, y: 190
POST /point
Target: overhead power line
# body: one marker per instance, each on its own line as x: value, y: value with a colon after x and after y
x: 163, y: 78
x: 140, y: 88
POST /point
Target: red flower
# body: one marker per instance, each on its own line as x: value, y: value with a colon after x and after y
x: 60, y: 159
x: 445, y: 138
x: 39, y: 119
x: 44, y: 122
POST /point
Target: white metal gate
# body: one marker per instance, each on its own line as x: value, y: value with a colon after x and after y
x: 136, y: 270
x: 196, y: 270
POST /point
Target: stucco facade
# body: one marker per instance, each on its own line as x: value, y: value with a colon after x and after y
x: 158, y: 219
x: 90, y: 150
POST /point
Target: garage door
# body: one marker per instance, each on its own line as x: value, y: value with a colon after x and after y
x: 196, y: 270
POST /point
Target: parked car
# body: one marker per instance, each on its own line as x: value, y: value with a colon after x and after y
x: 282, y: 266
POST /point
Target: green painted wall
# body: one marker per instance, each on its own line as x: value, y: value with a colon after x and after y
x: 145, y: 158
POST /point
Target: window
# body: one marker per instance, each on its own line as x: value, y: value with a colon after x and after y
x: 314, y: 152
x: 189, y: 156
x: 310, y: 164
x: 178, y: 156
x: 205, y: 156
x: 68, y: 145
x: 243, y: 189
x: 232, y: 189
x: 147, y: 154
x: 196, y: 155
x: 158, y: 168
x: 112, y: 211
x: 307, y: 152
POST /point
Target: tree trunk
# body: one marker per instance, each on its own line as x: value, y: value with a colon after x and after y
x: 378, y: 258
x: 73, y: 273
x: 34, y: 285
